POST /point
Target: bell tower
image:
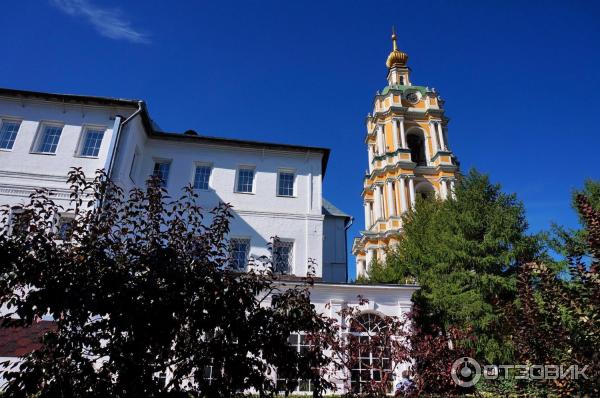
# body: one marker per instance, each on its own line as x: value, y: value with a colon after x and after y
x: 408, y: 156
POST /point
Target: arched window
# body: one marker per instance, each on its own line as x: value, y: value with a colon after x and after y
x: 370, y: 355
x: 416, y: 143
x: 425, y: 190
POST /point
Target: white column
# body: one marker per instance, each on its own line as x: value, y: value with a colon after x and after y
x: 445, y: 136
x: 441, y: 135
x: 371, y: 156
x: 377, y: 203
x: 433, y: 135
x: 369, y: 258
x: 380, y: 139
x: 402, y: 133
x: 362, y: 268
x: 427, y: 153
x: 411, y: 190
x: 402, y: 194
x: 452, y: 189
x: 382, y: 257
x: 367, y: 216
x: 395, y: 133
x: 443, y: 189
x: 390, y: 198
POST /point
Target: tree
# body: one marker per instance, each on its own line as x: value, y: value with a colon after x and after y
x: 558, y: 319
x: 569, y: 242
x: 433, y: 353
x: 464, y: 253
x: 140, y: 286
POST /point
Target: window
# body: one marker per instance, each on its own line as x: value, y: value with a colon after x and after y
x: 161, y: 170
x: 285, y: 185
x: 8, y: 133
x: 91, y: 142
x: 201, y: 177
x: 161, y: 378
x: 416, y: 144
x: 19, y: 221
x: 208, y: 374
x: 239, y: 252
x: 282, y: 256
x: 301, y: 344
x: 245, y: 181
x: 48, y: 140
x: 133, y: 166
x: 373, y: 363
x: 64, y: 227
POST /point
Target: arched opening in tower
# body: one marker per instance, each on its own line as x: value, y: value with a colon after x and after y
x: 425, y: 190
x: 416, y: 144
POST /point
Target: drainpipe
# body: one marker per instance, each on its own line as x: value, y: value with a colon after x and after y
x: 346, y: 227
x: 116, y: 138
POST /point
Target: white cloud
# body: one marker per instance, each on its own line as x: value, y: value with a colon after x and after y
x: 110, y: 23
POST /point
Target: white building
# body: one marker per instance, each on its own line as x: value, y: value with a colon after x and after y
x: 275, y: 189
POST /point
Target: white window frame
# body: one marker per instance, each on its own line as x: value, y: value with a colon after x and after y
x: 57, y: 225
x: 82, y: 138
x: 12, y: 120
x: 298, y: 346
x: 162, y: 160
x: 294, y: 183
x: 292, y: 256
x: 210, y: 175
x: 237, y: 177
x: 369, y: 335
x: 249, y: 242
x: 14, y: 212
x: 40, y: 133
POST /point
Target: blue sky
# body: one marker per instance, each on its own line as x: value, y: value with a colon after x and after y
x: 520, y: 79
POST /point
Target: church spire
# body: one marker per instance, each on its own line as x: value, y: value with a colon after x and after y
x: 396, y: 57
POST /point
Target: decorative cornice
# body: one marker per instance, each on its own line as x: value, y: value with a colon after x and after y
x: 391, y: 154
x: 25, y: 191
x: 390, y: 167
x: 270, y: 214
x: 34, y: 176
x: 405, y: 177
x: 405, y: 111
x: 441, y: 153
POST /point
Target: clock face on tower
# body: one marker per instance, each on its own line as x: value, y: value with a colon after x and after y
x: 412, y: 97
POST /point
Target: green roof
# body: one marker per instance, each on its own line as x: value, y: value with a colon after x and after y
x: 402, y: 88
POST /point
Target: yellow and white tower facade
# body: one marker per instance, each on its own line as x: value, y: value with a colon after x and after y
x: 409, y: 156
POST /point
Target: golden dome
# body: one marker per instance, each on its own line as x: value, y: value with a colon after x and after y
x: 396, y: 57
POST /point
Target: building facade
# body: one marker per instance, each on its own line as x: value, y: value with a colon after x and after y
x: 408, y: 155
x: 275, y: 189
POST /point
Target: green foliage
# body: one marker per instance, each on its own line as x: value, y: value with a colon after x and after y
x: 464, y: 253
x: 573, y: 242
x: 558, y: 319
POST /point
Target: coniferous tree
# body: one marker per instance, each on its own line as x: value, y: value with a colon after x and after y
x: 464, y: 253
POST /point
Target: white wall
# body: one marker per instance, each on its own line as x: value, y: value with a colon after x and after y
x: 387, y: 300
x: 258, y: 216
x: 21, y: 169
